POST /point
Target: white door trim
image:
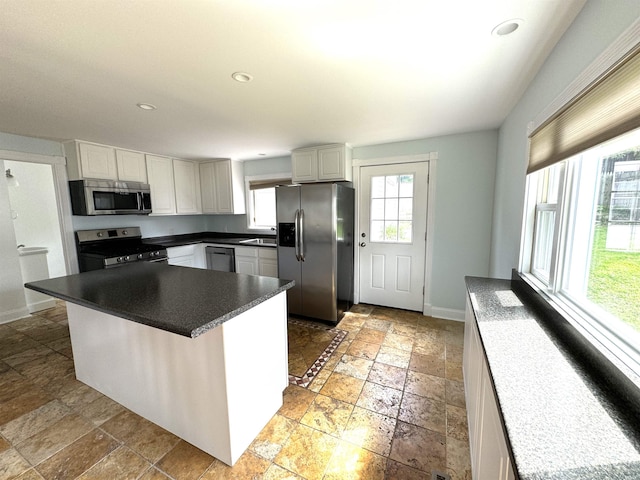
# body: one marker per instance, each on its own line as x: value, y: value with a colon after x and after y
x: 63, y: 200
x: 431, y: 158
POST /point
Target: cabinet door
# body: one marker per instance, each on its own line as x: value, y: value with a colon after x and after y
x: 98, y: 161
x: 268, y: 267
x: 187, y: 185
x: 247, y: 265
x: 331, y: 163
x: 131, y: 166
x: 208, y: 188
x: 246, y: 260
x: 160, y: 175
x: 223, y: 186
x: 304, y: 165
x: 188, y: 261
x: 493, y: 458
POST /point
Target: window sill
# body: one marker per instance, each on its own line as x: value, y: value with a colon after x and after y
x: 588, y: 343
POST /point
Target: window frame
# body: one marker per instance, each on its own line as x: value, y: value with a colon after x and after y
x: 285, y: 176
x: 609, y: 334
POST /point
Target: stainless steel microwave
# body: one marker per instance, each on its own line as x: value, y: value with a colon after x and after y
x: 109, y: 197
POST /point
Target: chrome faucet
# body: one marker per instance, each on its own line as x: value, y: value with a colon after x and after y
x: 21, y: 245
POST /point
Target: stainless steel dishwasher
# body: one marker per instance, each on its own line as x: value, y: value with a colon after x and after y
x: 221, y: 258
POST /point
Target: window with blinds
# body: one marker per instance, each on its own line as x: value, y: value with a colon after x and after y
x: 261, y: 201
x: 581, y: 230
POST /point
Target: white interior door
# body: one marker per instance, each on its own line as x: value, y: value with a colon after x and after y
x: 393, y: 225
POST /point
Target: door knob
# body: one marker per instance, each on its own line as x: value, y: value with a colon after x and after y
x: 363, y: 235
x: 362, y: 244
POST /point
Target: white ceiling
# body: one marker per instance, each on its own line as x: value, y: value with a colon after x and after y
x: 356, y: 71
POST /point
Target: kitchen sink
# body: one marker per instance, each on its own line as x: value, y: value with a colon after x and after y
x: 259, y: 241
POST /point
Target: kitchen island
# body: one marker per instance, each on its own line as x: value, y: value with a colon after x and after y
x: 201, y: 353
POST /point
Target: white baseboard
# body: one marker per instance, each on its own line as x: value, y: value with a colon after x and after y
x: 41, y: 305
x: 11, y: 315
x: 445, y: 313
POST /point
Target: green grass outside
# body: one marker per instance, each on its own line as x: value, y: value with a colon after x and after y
x: 614, y: 280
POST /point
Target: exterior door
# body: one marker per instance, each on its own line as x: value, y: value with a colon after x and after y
x: 392, y: 237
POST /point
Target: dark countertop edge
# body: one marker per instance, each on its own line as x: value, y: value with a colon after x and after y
x: 146, y: 321
x: 209, y: 237
x: 620, y: 392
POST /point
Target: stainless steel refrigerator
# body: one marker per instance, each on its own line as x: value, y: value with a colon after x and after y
x: 315, y: 247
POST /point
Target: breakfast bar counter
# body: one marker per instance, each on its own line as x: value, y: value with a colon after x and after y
x: 184, y: 348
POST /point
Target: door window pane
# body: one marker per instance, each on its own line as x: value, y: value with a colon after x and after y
x: 377, y: 187
x: 377, y: 231
x: 391, y: 210
x: 377, y: 209
x: 405, y: 208
x: 391, y: 186
x: 390, y: 231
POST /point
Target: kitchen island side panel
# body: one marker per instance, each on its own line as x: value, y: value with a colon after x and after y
x: 216, y: 391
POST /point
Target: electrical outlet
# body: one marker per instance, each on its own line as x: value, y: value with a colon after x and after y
x: 435, y: 475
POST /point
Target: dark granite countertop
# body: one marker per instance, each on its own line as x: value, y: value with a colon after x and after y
x: 236, y: 239
x: 182, y: 300
x: 562, y: 419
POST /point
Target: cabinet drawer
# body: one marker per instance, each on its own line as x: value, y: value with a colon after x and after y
x: 268, y: 253
x: 181, y: 251
x: 246, y: 252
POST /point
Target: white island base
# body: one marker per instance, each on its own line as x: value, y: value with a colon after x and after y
x: 216, y: 391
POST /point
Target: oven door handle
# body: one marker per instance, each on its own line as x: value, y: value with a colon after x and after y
x: 158, y: 260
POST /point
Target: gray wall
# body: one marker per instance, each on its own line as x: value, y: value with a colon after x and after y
x: 463, y: 207
x: 599, y: 23
x: 18, y: 143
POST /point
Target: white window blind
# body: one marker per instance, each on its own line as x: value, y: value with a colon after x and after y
x: 609, y: 107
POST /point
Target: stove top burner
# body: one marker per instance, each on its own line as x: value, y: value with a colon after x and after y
x: 99, y: 249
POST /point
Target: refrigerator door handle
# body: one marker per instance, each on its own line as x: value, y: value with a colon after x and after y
x: 296, y: 227
x: 301, y: 217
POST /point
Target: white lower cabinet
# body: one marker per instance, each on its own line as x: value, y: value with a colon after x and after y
x: 184, y: 255
x: 490, y: 458
x: 246, y: 260
x: 257, y: 261
x: 268, y: 262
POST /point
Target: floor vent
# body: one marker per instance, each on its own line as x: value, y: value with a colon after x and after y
x: 435, y: 475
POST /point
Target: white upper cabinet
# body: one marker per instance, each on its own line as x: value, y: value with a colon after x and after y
x: 304, y: 165
x: 160, y: 175
x: 186, y: 176
x: 90, y: 160
x: 208, y: 187
x: 131, y: 166
x: 326, y: 163
x: 222, y: 187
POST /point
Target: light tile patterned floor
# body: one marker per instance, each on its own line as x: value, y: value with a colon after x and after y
x: 388, y: 404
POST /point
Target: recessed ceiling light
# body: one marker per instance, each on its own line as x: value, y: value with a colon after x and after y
x: 242, y: 77
x: 507, y: 27
x: 146, y: 106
